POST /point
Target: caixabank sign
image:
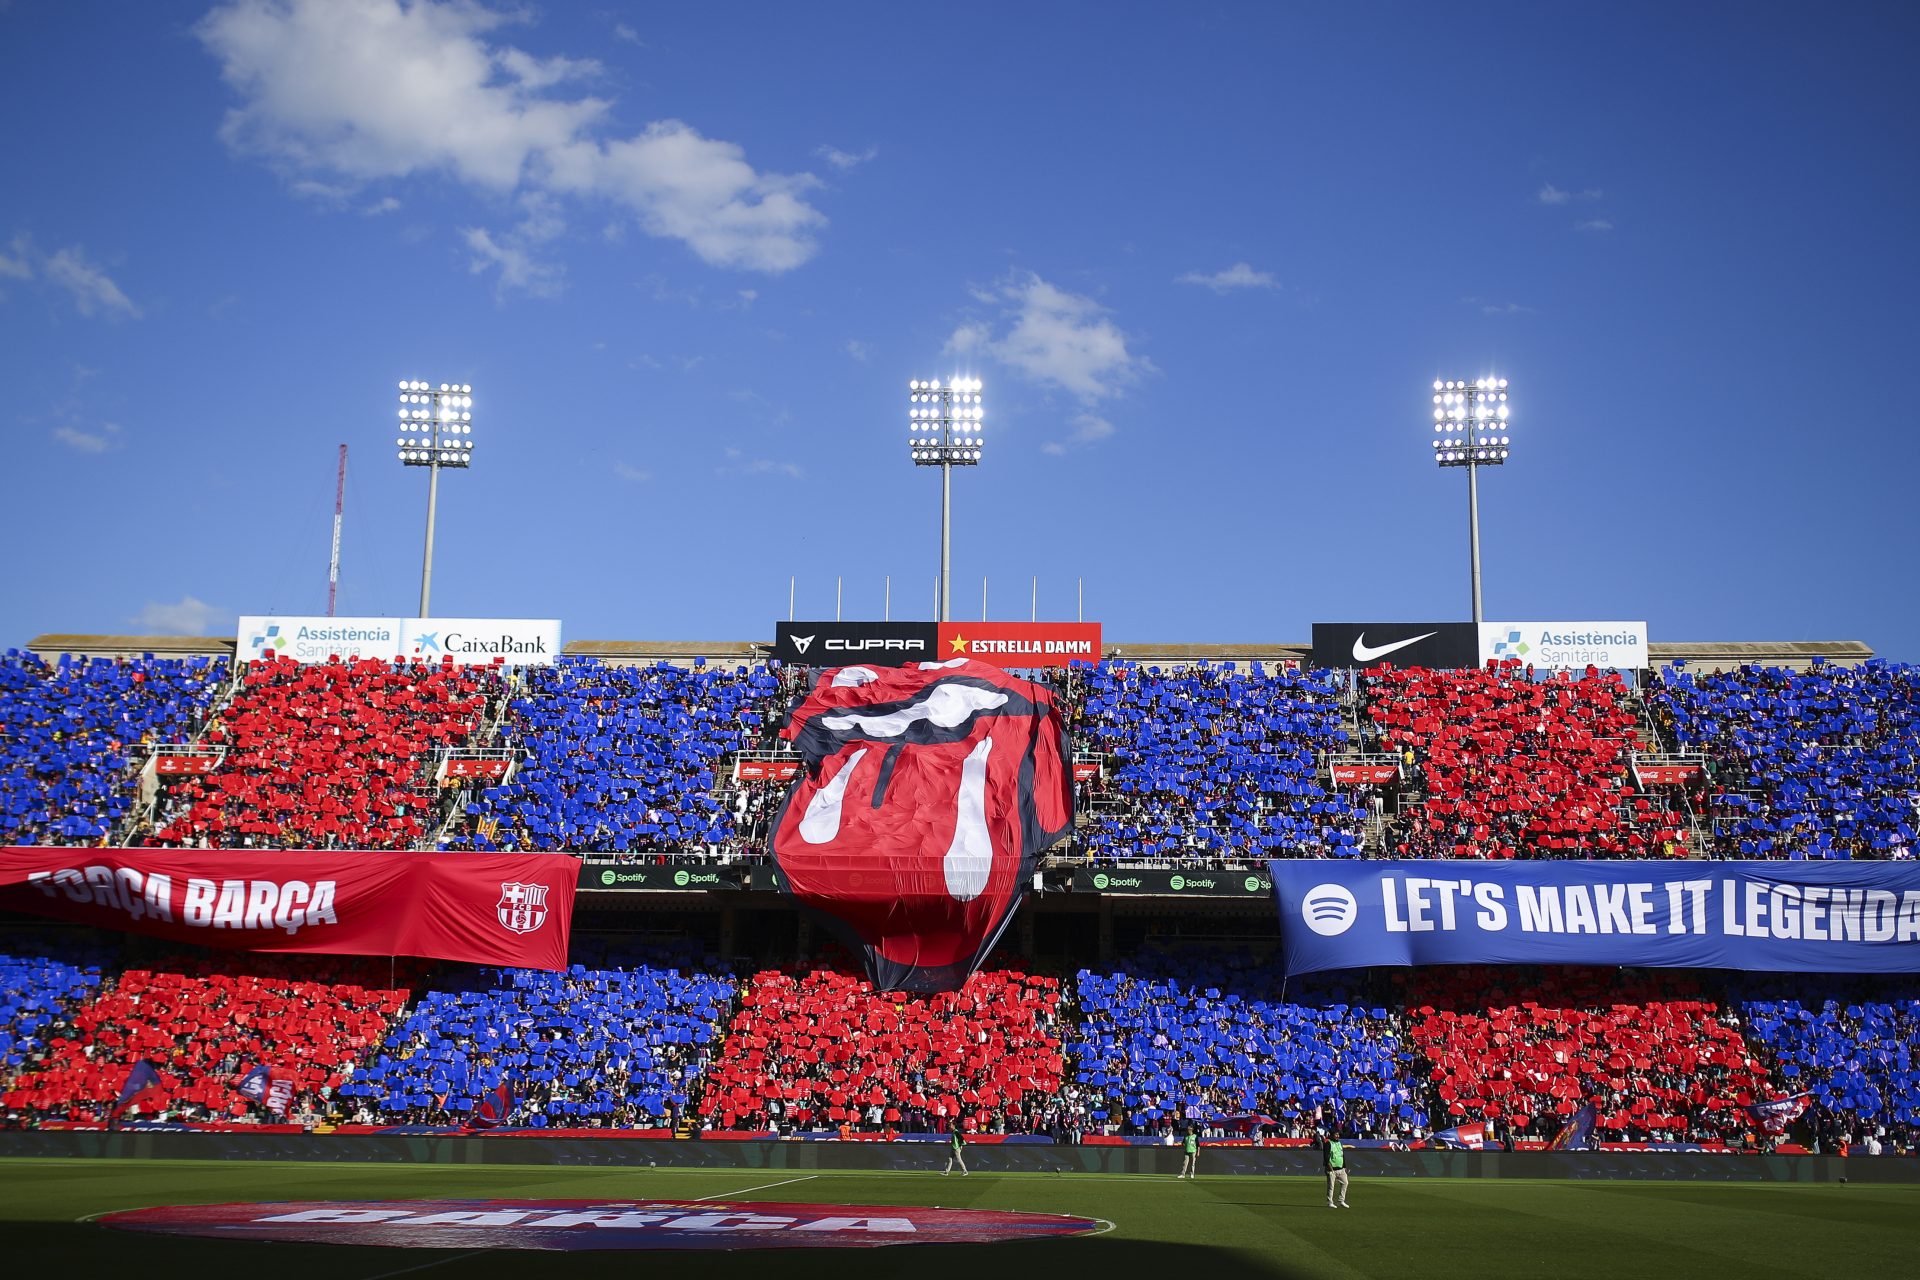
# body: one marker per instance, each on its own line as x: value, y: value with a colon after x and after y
x: 1176, y: 884
x: 844, y: 644
x: 626, y: 877
x: 1395, y: 644
x: 465, y: 641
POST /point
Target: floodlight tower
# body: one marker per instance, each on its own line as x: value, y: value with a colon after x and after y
x: 1470, y: 430
x: 944, y: 425
x: 436, y: 430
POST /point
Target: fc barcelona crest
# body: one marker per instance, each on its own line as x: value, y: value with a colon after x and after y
x: 523, y: 907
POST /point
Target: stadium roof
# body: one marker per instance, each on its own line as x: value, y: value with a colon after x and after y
x: 1709, y: 654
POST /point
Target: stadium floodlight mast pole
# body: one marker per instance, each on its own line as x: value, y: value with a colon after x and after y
x: 943, y: 426
x: 1470, y: 430
x: 436, y: 429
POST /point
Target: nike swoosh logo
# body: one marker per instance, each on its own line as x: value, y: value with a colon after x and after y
x: 1364, y: 653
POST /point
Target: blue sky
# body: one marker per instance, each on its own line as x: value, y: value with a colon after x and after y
x: 1206, y: 258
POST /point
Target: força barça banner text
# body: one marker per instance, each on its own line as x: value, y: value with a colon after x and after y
x: 512, y: 909
x: 1811, y: 917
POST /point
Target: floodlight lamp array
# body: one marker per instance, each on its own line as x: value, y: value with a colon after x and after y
x: 945, y: 422
x: 1470, y: 422
x: 436, y: 424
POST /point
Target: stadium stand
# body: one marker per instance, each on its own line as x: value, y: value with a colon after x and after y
x: 71, y: 737
x: 623, y: 758
x: 40, y: 985
x: 202, y: 1021
x: 1851, y: 1042
x: 1213, y: 765
x: 1209, y: 1036
x: 1513, y: 766
x: 327, y: 755
x: 1821, y: 763
x: 820, y: 1049
x: 1661, y: 1059
x: 616, y: 1042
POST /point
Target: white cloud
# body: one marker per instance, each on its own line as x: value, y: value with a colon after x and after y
x: 1491, y: 308
x: 519, y: 268
x: 1088, y: 428
x: 386, y: 204
x: 1594, y: 224
x: 353, y: 91
x: 627, y: 35
x: 1054, y: 337
x: 187, y: 616
x: 1240, y: 275
x: 106, y: 438
x: 1550, y: 194
x: 92, y: 290
x: 627, y: 471
x: 19, y: 266
x: 738, y: 463
x: 844, y: 160
x: 859, y: 350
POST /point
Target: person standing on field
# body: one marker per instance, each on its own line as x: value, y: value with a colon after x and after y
x: 956, y: 1152
x: 1192, y: 1148
x: 1333, y: 1158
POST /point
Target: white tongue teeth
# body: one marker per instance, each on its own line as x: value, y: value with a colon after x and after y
x: 969, y: 858
x: 821, y: 822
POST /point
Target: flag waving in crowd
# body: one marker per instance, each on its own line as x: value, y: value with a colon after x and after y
x: 493, y: 1108
x: 1469, y: 1137
x: 1577, y: 1135
x: 1775, y: 1114
x: 141, y: 1078
x: 262, y: 1085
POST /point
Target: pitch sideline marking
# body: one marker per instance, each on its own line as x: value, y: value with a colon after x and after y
x: 762, y: 1187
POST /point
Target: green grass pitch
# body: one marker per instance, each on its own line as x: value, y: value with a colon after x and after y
x: 1209, y: 1229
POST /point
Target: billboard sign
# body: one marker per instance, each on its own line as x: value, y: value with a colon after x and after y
x: 846, y: 644
x: 1021, y: 644
x: 1784, y: 916
x: 305, y: 638
x: 1566, y: 646
x: 1395, y: 644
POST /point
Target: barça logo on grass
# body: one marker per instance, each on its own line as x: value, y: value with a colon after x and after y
x: 523, y: 907
x: 598, y: 1224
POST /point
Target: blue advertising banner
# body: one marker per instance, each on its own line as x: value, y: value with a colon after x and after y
x: 1815, y: 917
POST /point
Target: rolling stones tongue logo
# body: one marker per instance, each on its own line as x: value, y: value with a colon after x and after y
x: 929, y: 792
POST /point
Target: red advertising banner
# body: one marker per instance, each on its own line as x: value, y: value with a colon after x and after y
x: 1021, y: 644
x: 470, y: 768
x: 765, y: 770
x: 1349, y: 775
x: 512, y: 909
x: 1668, y: 774
x: 169, y: 766
x: 1086, y: 770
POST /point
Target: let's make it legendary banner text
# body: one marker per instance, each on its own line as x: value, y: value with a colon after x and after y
x: 1816, y: 917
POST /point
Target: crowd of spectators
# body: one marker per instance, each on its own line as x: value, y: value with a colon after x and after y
x: 203, y: 1021
x: 1820, y: 763
x: 1850, y: 1042
x: 1216, y: 1039
x: 72, y: 736
x: 1517, y: 766
x: 1657, y: 1055
x: 40, y: 985
x: 821, y: 1049
x: 1213, y: 765
x: 327, y: 755
x: 624, y: 759
x: 614, y: 1043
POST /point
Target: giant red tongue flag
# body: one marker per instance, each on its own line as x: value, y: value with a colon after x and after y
x: 510, y: 909
x: 930, y: 791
